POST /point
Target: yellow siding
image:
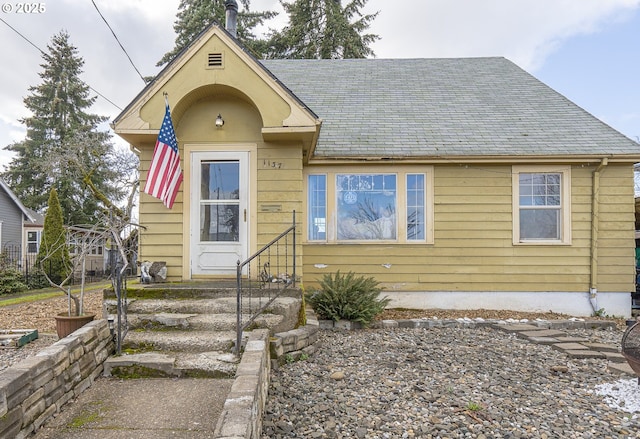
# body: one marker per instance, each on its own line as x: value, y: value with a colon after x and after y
x: 279, y: 190
x: 161, y: 236
x: 473, y: 248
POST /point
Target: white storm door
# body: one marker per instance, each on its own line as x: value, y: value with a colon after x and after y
x: 219, y: 193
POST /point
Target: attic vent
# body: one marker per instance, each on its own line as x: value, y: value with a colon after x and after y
x: 215, y: 60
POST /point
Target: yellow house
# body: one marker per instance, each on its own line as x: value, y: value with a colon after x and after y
x: 456, y: 183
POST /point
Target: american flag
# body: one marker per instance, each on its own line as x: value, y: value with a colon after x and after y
x: 165, y: 174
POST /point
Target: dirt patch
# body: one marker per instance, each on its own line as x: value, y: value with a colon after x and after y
x: 40, y: 315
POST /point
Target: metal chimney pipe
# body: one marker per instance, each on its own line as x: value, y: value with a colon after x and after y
x: 231, y: 8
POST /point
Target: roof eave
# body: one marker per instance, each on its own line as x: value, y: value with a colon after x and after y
x: 497, y: 159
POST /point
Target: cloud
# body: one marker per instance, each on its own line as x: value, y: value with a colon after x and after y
x: 525, y: 31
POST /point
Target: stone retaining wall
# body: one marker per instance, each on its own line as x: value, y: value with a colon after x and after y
x: 243, y: 410
x: 36, y: 388
x: 291, y: 345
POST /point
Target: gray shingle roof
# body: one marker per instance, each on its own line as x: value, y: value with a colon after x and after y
x: 442, y: 107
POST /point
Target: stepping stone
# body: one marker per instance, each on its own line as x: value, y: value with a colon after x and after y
x: 570, y: 347
x: 602, y: 347
x: 615, y: 357
x: 573, y: 340
x: 543, y: 340
x: 584, y: 353
x: 542, y: 333
x: 621, y: 369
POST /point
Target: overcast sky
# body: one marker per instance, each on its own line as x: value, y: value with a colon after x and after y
x: 588, y: 50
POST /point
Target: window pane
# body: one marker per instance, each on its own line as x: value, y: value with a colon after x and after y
x: 415, y: 207
x: 317, y: 221
x: 366, y: 206
x: 539, y: 189
x: 540, y: 202
x: 219, y: 222
x: 539, y: 224
x: 220, y: 180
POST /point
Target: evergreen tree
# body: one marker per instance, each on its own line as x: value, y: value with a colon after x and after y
x: 53, y: 255
x: 58, y: 122
x: 323, y: 29
x: 195, y: 15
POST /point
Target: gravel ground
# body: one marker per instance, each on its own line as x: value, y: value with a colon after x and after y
x: 445, y: 383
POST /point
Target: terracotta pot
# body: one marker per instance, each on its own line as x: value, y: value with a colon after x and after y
x: 66, y: 324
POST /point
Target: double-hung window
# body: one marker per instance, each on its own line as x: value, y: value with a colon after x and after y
x: 33, y: 241
x: 541, y: 205
x: 370, y: 207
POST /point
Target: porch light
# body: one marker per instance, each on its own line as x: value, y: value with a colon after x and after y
x: 219, y: 121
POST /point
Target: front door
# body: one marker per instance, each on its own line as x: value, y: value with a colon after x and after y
x: 219, y: 237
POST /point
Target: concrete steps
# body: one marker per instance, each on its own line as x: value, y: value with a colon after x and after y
x: 189, y: 332
x: 212, y: 322
x: 172, y: 365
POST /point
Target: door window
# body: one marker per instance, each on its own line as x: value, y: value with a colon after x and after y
x: 219, y: 201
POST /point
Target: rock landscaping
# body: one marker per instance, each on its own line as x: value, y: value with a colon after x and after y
x: 456, y: 380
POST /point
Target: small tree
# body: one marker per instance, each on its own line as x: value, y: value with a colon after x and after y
x: 53, y: 255
x: 55, y: 263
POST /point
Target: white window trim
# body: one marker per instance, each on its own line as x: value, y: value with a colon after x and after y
x: 401, y: 202
x: 565, y: 209
x: 36, y: 242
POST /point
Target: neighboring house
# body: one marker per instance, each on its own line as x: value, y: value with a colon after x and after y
x: 31, y: 238
x: 456, y: 183
x: 90, y: 244
x: 13, y: 216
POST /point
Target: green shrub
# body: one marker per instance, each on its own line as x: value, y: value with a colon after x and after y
x: 11, y: 280
x: 53, y: 254
x: 348, y: 297
x: 36, y: 279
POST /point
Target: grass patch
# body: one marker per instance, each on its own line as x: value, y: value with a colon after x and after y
x: 87, y: 416
x: 474, y: 406
x: 30, y: 298
x: 47, y: 293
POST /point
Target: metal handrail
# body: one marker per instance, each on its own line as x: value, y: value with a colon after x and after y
x: 265, y: 278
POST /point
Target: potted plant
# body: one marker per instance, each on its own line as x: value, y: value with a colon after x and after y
x: 58, y: 267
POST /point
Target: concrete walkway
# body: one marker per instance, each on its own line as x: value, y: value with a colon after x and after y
x: 158, y: 408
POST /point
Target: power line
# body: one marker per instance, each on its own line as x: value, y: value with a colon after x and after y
x: 43, y: 52
x: 116, y: 37
x: 23, y: 37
